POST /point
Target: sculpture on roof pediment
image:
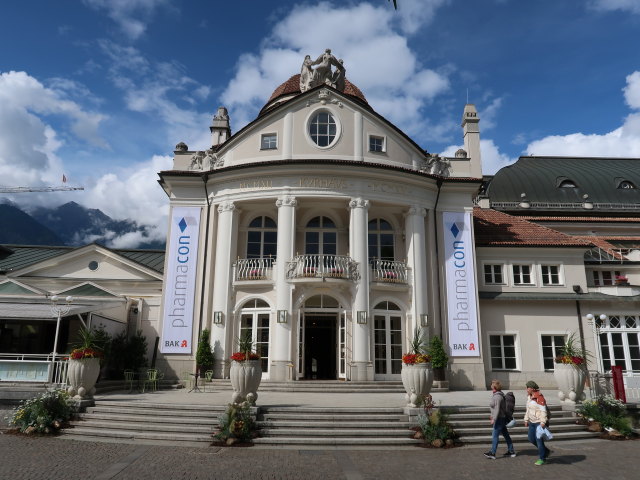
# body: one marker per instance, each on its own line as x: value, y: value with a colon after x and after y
x: 434, y: 164
x: 322, y: 74
x: 203, y: 160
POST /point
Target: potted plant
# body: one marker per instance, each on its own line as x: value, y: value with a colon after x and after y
x: 84, y: 365
x: 570, y: 371
x: 439, y: 358
x: 622, y: 280
x: 245, y: 372
x: 204, y: 355
x: 417, y: 376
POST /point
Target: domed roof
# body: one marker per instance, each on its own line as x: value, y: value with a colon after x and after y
x: 292, y: 87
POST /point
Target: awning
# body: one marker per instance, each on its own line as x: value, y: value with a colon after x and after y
x: 43, y: 311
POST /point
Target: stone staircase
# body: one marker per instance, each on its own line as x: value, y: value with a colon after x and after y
x: 297, y: 427
x: 319, y: 386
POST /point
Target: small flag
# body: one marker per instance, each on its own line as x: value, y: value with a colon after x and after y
x: 64, y: 178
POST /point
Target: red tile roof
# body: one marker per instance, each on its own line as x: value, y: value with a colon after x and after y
x: 292, y: 86
x: 493, y: 228
x: 537, y: 218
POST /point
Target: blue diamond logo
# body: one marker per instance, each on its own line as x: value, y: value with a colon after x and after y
x: 182, y: 224
x: 455, y: 230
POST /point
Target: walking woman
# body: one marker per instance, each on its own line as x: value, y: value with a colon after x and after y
x: 499, y: 421
x: 536, y: 414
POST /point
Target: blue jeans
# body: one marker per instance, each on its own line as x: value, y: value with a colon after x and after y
x: 499, y: 427
x: 538, y: 442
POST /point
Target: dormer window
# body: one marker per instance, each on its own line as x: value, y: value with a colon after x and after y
x: 269, y: 141
x: 377, y: 144
x: 626, y: 184
x: 567, y: 184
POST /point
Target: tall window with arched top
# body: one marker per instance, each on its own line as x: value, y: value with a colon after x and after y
x: 254, y: 321
x: 262, y: 238
x: 321, y: 237
x: 381, y: 240
x: 387, y: 334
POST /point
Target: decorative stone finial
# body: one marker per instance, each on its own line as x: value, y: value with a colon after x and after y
x: 322, y: 74
x: 461, y: 153
x: 182, y: 147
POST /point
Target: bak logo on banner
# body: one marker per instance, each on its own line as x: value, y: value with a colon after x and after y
x: 460, y: 280
x: 177, y: 322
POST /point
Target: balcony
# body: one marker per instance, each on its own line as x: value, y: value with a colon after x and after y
x: 323, y: 266
x: 253, y: 269
x: 388, y: 271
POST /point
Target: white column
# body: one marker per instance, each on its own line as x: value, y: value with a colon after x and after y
x: 417, y: 261
x: 282, y: 332
x: 361, y: 366
x: 222, y: 282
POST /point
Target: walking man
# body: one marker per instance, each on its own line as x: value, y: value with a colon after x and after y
x: 499, y: 421
x: 536, y: 414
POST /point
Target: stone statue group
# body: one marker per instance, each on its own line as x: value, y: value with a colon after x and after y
x: 322, y: 74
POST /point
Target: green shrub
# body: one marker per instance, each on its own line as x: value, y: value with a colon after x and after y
x: 44, y: 413
x: 236, y: 423
x: 435, y: 426
x: 439, y: 357
x: 607, y: 411
x: 204, y: 355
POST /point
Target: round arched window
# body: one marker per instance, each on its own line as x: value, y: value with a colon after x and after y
x: 323, y: 129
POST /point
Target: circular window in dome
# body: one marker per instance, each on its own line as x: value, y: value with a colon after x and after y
x: 323, y: 129
x: 93, y: 265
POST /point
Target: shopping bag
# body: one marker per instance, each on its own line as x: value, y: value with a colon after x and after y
x: 544, y: 433
x: 512, y: 423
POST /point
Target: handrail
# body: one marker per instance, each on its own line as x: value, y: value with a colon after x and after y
x: 253, y: 268
x: 323, y: 266
x: 388, y: 271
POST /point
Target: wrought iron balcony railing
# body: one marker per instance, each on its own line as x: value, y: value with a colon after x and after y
x: 388, y: 271
x: 253, y: 268
x: 323, y: 266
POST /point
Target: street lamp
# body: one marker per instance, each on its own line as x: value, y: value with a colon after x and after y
x: 58, y: 310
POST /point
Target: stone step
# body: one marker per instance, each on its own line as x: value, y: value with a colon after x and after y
x: 518, y: 430
x: 467, y: 423
x: 333, y: 417
x: 150, y: 406
x: 333, y: 411
x: 135, y: 435
x: 335, y: 432
x: 146, y: 426
x: 302, y: 424
x: 144, y: 419
x: 154, y: 413
x: 522, y: 438
x: 325, y: 441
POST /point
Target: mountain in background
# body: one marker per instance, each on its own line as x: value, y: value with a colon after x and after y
x: 69, y: 224
x: 18, y: 227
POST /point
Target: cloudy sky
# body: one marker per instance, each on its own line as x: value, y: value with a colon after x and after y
x: 102, y: 90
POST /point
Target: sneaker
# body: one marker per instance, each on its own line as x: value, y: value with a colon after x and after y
x: 490, y: 455
x: 539, y: 462
x: 510, y: 453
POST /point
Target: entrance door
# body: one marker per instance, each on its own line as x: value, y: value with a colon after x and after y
x: 387, y: 324
x: 320, y: 346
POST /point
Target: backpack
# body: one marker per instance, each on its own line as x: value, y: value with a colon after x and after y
x: 509, y: 405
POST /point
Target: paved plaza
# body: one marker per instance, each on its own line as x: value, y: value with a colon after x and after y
x: 33, y: 458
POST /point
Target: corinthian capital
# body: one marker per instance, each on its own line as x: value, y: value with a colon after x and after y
x: 286, y: 201
x: 415, y: 210
x: 359, y: 203
x: 226, y: 207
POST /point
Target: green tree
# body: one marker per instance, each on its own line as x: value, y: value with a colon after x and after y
x: 204, y: 355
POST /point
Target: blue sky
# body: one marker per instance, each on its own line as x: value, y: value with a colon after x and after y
x: 102, y: 90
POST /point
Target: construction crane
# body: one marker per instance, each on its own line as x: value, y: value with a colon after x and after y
x: 37, y: 189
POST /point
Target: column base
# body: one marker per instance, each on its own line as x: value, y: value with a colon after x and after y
x: 361, y: 371
x: 281, y: 371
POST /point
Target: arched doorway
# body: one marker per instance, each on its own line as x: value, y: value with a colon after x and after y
x: 322, y: 339
x: 387, y: 335
x: 254, y: 322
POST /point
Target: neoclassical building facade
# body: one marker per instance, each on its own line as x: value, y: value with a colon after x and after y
x: 321, y: 229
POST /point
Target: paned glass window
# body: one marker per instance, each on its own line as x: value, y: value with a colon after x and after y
x: 262, y: 238
x: 550, y: 275
x: 376, y: 144
x: 551, y: 345
x: 493, y: 275
x: 269, y: 141
x: 323, y: 129
x: 522, y: 275
x: 381, y: 240
x: 503, y: 352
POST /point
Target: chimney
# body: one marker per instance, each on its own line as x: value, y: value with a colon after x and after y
x: 220, y: 130
x: 471, y: 129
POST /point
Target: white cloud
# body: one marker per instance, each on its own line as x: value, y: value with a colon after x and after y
x: 373, y: 43
x: 492, y: 159
x: 489, y: 114
x: 131, y: 16
x: 162, y: 90
x: 624, y: 141
x: 632, y: 6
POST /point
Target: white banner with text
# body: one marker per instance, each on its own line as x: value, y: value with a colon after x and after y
x: 180, y: 280
x: 460, y: 279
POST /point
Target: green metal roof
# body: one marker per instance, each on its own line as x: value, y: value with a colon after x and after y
x: 15, y: 257
x: 11, y: 288
x: 540, y: 178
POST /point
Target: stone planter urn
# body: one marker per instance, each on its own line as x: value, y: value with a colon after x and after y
x: 245, y: 380
x: 417, y: 380
x: 570, y: 380
x: 82, y: 375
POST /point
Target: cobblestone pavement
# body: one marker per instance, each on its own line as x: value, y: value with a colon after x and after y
x: 34, y: 458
